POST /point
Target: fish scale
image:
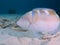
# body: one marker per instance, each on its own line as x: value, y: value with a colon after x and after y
x: 44, y: 21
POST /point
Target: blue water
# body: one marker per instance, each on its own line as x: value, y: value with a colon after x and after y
x: 22, y: 6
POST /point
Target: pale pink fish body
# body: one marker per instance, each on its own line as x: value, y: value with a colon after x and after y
x: 44, y: 20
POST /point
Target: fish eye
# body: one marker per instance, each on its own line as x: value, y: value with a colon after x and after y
x: 43, y: 12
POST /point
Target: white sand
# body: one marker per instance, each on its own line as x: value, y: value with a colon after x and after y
x: 9, y: 36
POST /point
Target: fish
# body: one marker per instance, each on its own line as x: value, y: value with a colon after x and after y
x: 44, y: 20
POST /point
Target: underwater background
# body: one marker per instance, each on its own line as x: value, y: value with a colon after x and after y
x: 12, y: 9
x: 10, y: 12
x: 22, y: 6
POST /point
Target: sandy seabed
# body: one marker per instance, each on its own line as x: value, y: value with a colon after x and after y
x: 10, y: 34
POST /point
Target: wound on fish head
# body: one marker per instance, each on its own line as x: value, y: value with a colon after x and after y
x: 35, y: 15
x: 32, y: 14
